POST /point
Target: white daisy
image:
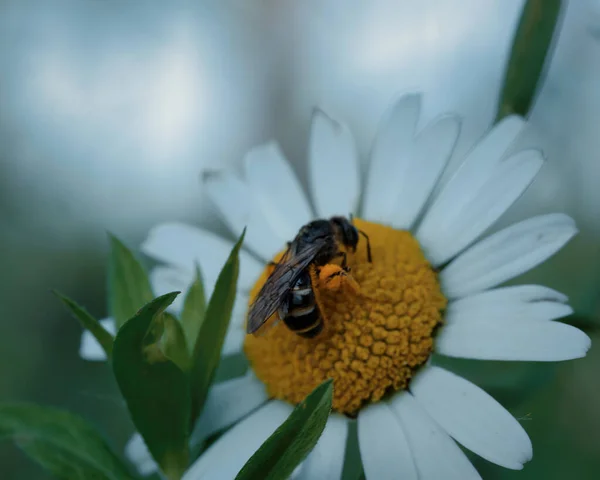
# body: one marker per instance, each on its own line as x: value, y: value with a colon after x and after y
x: 429, y: 267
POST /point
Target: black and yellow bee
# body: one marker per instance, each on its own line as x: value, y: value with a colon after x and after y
x: 288, y: 290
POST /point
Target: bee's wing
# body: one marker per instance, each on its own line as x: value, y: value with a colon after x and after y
x: 279, y: 284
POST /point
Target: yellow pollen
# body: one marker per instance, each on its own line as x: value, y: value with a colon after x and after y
x: 378, y: 326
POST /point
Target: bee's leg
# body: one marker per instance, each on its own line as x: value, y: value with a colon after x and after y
x: 369, y: 258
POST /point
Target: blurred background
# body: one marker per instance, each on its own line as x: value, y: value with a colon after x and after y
x: 110, y: 110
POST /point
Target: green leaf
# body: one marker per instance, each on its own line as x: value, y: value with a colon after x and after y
x: 128, y: 285
x: 173, y: 342
x: 207, y: 348
x: 283, y: 451
x: 193, y: 311
x: 105, y: 339
x: 531, y: 46
x: 61, y: 442
x: 156, y: 390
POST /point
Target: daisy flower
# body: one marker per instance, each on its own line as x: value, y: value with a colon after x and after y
x: 434, y: 285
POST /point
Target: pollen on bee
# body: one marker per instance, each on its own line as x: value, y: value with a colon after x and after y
x: 334, y: 277
x: 378, y: 325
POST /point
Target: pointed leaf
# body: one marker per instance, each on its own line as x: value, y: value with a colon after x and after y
x: 289, y: 445
x: 209, y: 342
x: 531, y: 46
x: 173, y: 342
x: 193, y: 311
x: 104, y: 338
x: 61, y: 442
x: 156, y: 390
x: 128, y: 285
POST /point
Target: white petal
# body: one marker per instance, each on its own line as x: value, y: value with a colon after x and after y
x: 227, y: 403
x: 467, y: 201
x: 384, y: 448
x: 431, y: 152
x: 541, y: 341
x: 506, y: 254
x: 277, y: 190
x: 472, y: 417
x: 234, y: 340
x: 169, y: 279
x: 458, y: 226
x: 185, y: 247
x: 239, y: 209
x: 240, y: 308
x: 517, y: 303
x: 326, y: 460
x: 138, y: 454
x: 236, y: 333
x: 517, y: 294
x: 224, y: 458
x: 333, y: 167
x: 435, y: 454
x: 390, y: 158
x: 89, y: 348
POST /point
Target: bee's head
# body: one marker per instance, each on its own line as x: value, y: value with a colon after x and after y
x: 346, y: 233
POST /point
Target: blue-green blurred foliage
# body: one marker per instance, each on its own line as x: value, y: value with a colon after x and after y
x: 109, y: 111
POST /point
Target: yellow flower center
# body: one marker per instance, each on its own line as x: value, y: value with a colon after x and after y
x: 372, y: 341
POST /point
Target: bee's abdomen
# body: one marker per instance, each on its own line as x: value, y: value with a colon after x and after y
x: 303, y: 316
x: 306, y: 324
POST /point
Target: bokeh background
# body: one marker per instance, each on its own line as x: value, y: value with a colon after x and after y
x: 110, y: 110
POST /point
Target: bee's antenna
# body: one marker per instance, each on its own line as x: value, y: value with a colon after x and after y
x: 368, y: 245
x: 351, y: 217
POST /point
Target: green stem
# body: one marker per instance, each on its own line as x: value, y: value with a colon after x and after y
x: 530, y: 49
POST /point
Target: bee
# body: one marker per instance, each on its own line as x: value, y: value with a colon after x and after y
x: 289, y: 291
